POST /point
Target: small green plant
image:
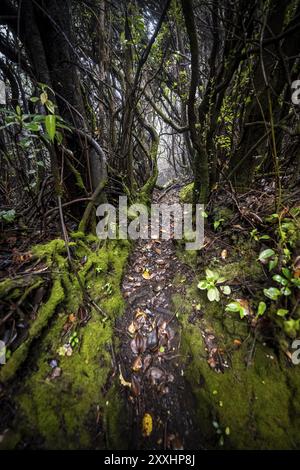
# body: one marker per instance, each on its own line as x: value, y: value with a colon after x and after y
x: 236, y: 306
x: 74, y: 340
x: 218, y: 223
x: 210, y: 283
x: 243, y: 308
x: 286, y: 282
x: 256, y: 236
x: 283, y: 288
x: 268, y: 257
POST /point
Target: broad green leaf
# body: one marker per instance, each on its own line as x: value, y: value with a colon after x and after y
x: 233, y: 307
x: 281, y: 312
x: 272, y: 293
x: 210, y: 274
x: 226, y: 290
x: 202, y: 285
x: 296, y: 281
x: 213, y: 294
x: 273, y: 263
x: 50, y: 123
x: 261, y: 308
x: 243, y: 312
x: 266, y: 254
x: 287, y: 273
x: 281, y: 280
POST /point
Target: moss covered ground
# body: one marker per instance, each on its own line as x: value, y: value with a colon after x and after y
x: 82, y: 407
x: 255, y: 403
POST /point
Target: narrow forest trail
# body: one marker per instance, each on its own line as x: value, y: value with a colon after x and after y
x: 160, y: 401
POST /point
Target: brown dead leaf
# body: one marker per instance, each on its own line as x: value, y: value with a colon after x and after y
x: 138, y: 344
x: 72, y: 318
x: 137, y: 364
x: 135, y: 386
x: 245, y: 304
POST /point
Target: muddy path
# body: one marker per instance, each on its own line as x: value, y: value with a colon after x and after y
x: 159, y: 400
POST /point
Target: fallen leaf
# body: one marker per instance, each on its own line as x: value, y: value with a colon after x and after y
x: 147, y: 425
x: 146, y: 275
x: 123, y: 381
x: 137, y: 364
x: 135, y: 386
x: 138, y: 344
x: 72, y: 318
x: 132, y: 328
x: 140, y: 313
x: 224, y: 254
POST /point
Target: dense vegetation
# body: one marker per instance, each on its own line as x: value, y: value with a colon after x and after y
x: 187, y: 99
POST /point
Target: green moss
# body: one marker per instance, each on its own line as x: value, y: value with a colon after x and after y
x: 258, y: 403
x: 62, y: 413
x: 186, y: 194
x: 48, y: 250
x: 221, y: 212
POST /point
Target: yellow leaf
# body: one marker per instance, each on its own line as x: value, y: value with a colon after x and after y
x: 132, y: 328
x: 123, y: 381
x: 146, y: 274
x: 147, y: 425
x: 137, y: 364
